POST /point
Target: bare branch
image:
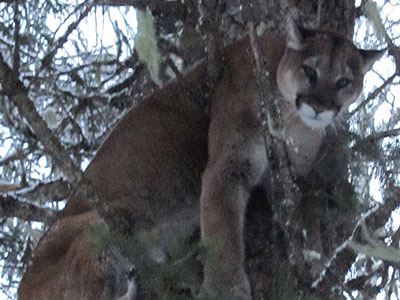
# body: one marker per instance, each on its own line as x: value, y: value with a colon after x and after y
x: 374, y: 94
x: 46, y: 62
x: 375, y: 218
x: 48, y: 59
x: 17, y: 44
x: 393, y: 51
x: 47, y: 192
x: 15, y: 156
x: 17, y: 93
x: 375, y: 248
x: 11, y: 187
x: 12, y: 207
x: 381, y: 135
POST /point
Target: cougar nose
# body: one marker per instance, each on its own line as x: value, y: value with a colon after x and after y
x: 318, y: 108
x: 317, y: 105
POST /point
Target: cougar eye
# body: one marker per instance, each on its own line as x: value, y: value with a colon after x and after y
x: 310, y: 73
x: 342, y: 83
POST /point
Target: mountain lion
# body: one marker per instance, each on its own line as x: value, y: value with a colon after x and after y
x: 166, y: 154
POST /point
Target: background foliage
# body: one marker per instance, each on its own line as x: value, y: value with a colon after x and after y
x: 75, y: 62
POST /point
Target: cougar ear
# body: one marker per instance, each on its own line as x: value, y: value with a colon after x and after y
x: 296, y: 35
x: 369, y: 57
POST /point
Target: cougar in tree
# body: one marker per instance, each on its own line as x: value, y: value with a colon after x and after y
x: 168, y: 165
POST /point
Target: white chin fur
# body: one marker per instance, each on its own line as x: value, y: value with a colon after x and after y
x: 308, y: 115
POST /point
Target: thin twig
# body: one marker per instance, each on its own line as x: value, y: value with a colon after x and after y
x: 374, y: 94
x: 17, y: 42
x: 48, y: 59
x: 15, y: 156
x: 380, y: 135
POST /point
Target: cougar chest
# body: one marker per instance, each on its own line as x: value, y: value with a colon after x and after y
x: 303, y: 142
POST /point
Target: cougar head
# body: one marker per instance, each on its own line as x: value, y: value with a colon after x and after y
x: 321, y: 73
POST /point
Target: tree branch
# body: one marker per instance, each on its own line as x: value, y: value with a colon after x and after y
x: 12, y: 207
x: 375, y: 248
x: 48, y: 59
x: 17, y: 93
x: 375, y: 218
x: 47, y: 192
x: 374, y: 94
x: 6, y: 187
x: 17, y: 43
x: 284, y: 188
x: 15, y: 156
x: 380, y: 135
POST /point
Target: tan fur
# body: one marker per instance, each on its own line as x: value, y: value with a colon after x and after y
x: 150, y: 167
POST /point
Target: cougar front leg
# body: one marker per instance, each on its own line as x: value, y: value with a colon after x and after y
x: 225, y: 191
